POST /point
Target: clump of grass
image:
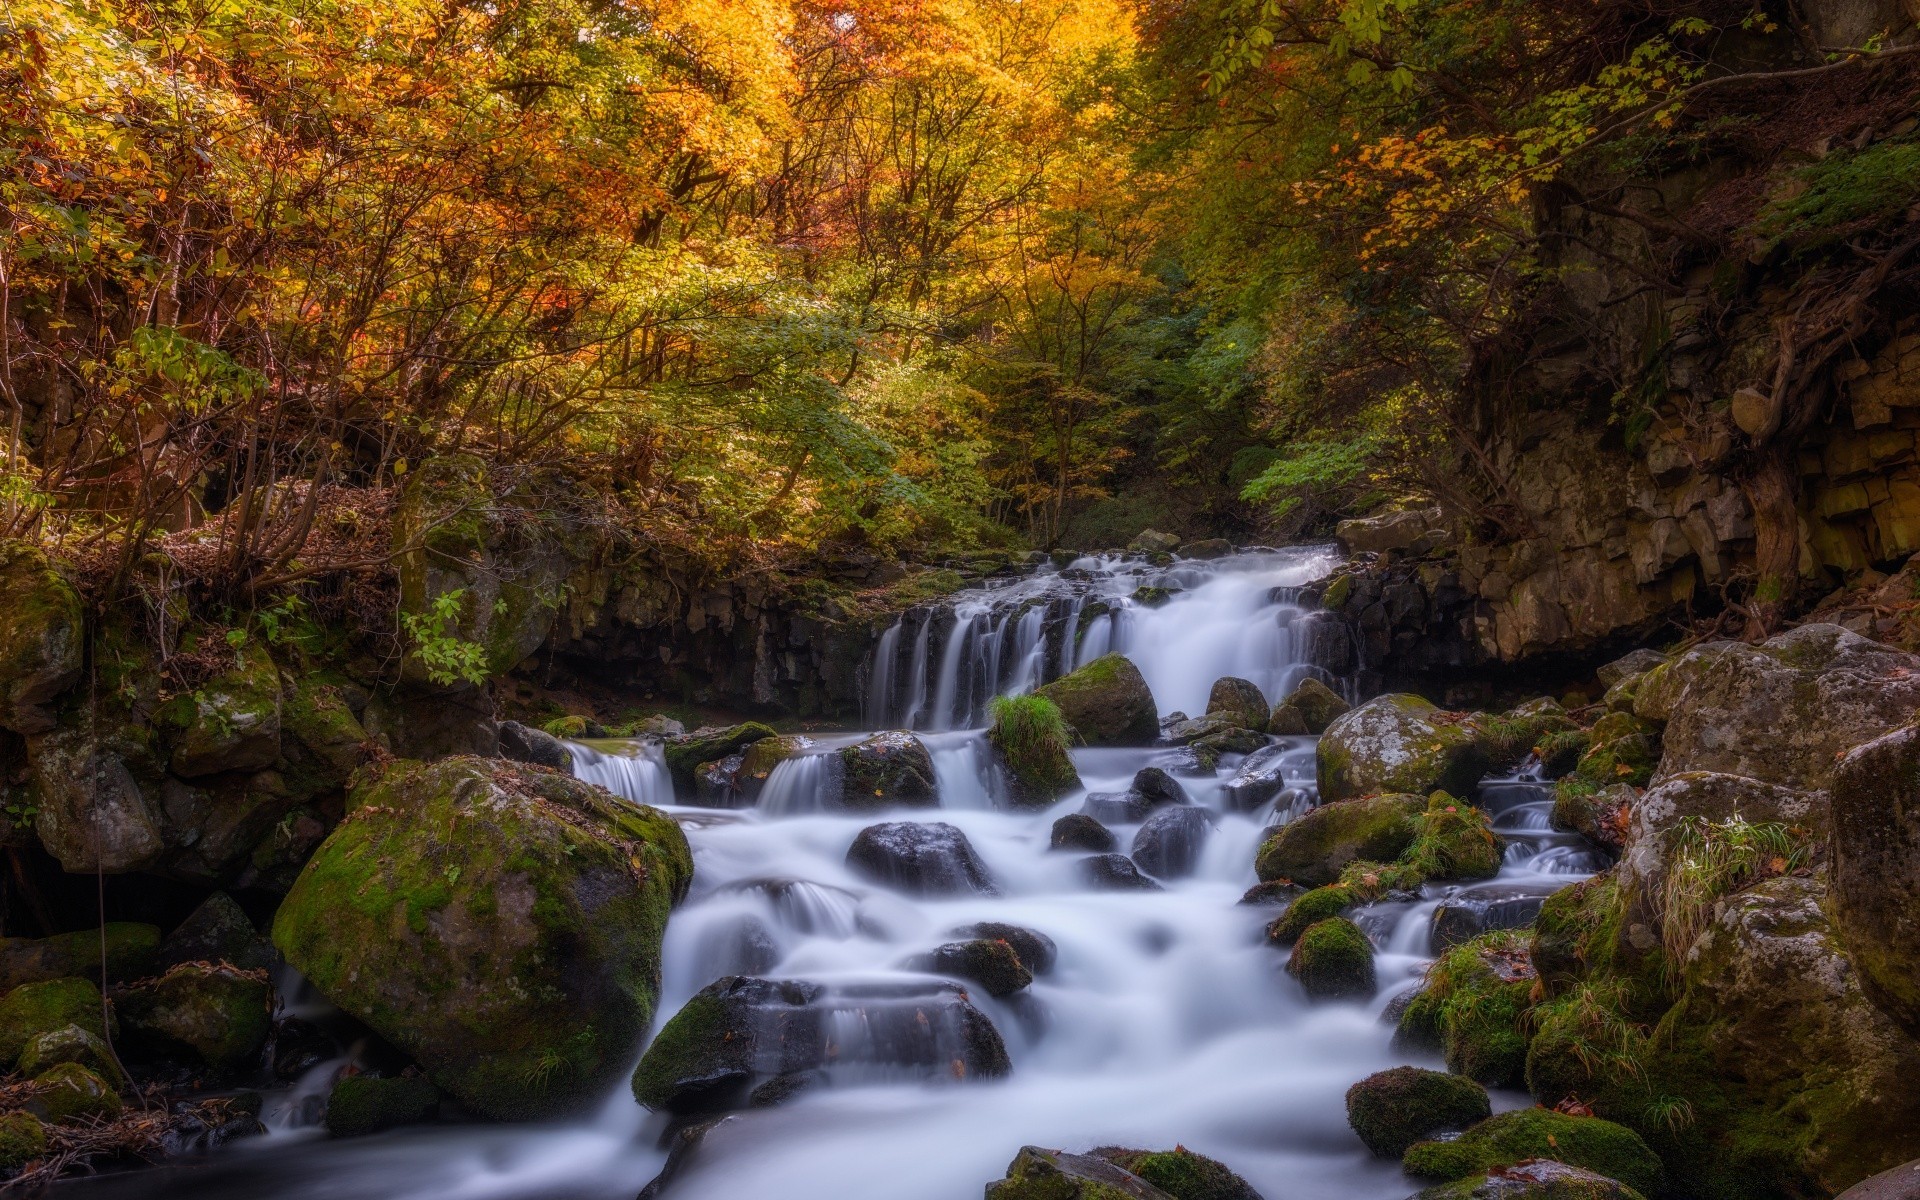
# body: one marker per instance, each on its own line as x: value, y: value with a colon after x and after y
x: 1708, y: 860
x: 1034, y: 738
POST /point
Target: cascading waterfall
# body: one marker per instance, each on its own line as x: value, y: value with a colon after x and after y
x: 1165, y: 1018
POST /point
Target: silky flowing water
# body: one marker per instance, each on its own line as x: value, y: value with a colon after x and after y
x: 1166, y: 1019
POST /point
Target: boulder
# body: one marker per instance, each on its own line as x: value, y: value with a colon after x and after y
x: 1314, y: 704
x: 1267, y: 895
x: 1239, y: 702
x: 217, y: 931
x: 1260, y: 778
x: 363, y: 1104
x: 71, y: 1092
x: 1610, y: 1150
x: 1180, y: 1173
x: 69, y: 1044
x: 1206, y: 548
x: 1895, y: 1183
x: 1171, y: 840
x: 33, y: 1009
x: 132, y: 950
x: 1391, y: 531
x: 1287, y: 721
x: 1398, y: 743
x: 215, y: 1015
x: 322, y: 741
x: 684, y: 755
x: 741, y: 1036
x: 1307, y: 909
x: 717, y: 784
x: 1036, y: 950
x: 887, y: 770
x: 1151, y: 788
x: 1455, y: 842
x: 42, y: 635
x: 1631, y: 665
x: 229, y: 723
x: 1031, y: 742
x: 1333, y: 960
x: 98, y: 784
x: 920, y: 858
x: 22, y: 1139
x: 1782, y: 712
x: 1315, y: 848
x: 1152, y: 541
x: 758, y: 761
x: 1473, y: 1009
x: 523, y: 743
x: 1107, y: 702
x: 499, y: 923
x: 994, y: 965
x: 1533, y: 1179
x: 1875, y: 857
x: 1114, y: 873
x: 1039, y: 1174
x: 1078, y: 831
x: 1393, y: 1109
x: 1212, y: 735
x: 1485, y: 908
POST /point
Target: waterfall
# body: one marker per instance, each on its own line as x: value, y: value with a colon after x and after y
x: 635, y: 770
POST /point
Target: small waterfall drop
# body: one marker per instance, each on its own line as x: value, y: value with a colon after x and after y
x: 633, y: 769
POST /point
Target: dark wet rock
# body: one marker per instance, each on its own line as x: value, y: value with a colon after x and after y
x: 518, y: 962
x: 1876, y: 869
x: 1041, y: 1174
x: 716, y: 784
x: 1534, y: 1179
x: 1205, y: 548
x: 739, y: 1033
x: 1472, y: 911
x: 887, y: 770
x: 994, y: 965
x: 1277, y: 893
x: 1398, y: 743
x: 1239, y: 702
x: 217, y: 931
x: 523, y: 743
x: 929, y: 858
x: 1315, y: 848
x: 1114, y: 808
x: 1115, y: 873
x: 708, y: 744
x: 1391, y: 1110
x: 41, y: 638
x: 1078, y: 831
x: 1171, y: 841
x: 1287, y: 721
x: 1260, y: 778
x: 211, y: 1014
x: 363, y: 1104
x: 297, y: 1046
x: 1036, y: 950
x: 1180, y: 1173
x: 683, y: 1142
x: 1611, y: 1150
x: 1157, y: 787
x: 1107, y: 702
x: 1188, y: 762
x: 1333, y: 960
x: 131, y: 950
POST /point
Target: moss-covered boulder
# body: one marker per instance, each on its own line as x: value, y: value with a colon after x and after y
x: 1333, y: 960
x: 1602, y: 1147
x: 1783, y: 712
x: 758, y: 760
x: 36, y: 1008
x: 229, y: 723
x: 1180, y: 1173
x: 214, y: 1014
x: 1393, y: 1109
x: 993, y: 964
x: 1040, y: 1174
x: 1456, y: 841
x: 1535, y: 1179
x: 1032, y: 742
x: 1307, y: 909
x: 1308, y: 708
x: 1314, y: 849
x: 499, y: 923
x: 131, y: 949
x: 363, y: 1104
x: 1473, y: 1008
x: 71, y: 1092
x: 1107, y: 702
x: 42, y: 631
x: 70, y: 1044
x: 685, y: 755
x: 1876, y: 869
x: 887, y: 770
x: 1397, y: 744
x: 22, y: 1139
x: 744, y: 1042
x: 1599, y: 814
x: 1239, y: 702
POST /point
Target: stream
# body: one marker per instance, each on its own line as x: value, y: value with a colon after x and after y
x: 1164, y: 1020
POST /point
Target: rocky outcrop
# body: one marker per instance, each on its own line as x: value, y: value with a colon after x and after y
x: 1876, y: 869
x: 477, y: 913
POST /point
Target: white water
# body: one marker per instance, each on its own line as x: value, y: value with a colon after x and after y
x: 1166, y: 1020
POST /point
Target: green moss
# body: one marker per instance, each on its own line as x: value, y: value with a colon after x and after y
x: 1455, y: 841
x: 36, y: 1008
x: 1588, y: 1142
x: 1314, y: 849
x: 1038, y: 1174
x: 1560, y: 751
x: 131, y: 950
x: 70, y: 1092
x: 1033, y: 741
x: 1391, y: 1110
x: 1338, y: 593
x: 363, y: 1104
x: 701, y: 1024
x: 1474, y: 1005
x: 22, y: 1139
x: 1309, y: 908
x: 1842, y: 193
x: 1333, y: 960
x: 685, y: 755
x: 1180, y: 1173
x: 68, y: 1044
x: 215, y: 1014
x: 1107, y: 703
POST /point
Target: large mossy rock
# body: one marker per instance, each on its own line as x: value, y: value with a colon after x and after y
x: 499, y: 923
x: 1239, y: 702
x: 1535, y: 1179
x: 1393, y: 1109
x: 1876, y: 869
x: 1473, y: 1008
x: 1033, y: 745
x: 1399, y: 743
x: 33, y: 1009
x: 1607, y: 1149
x: 1782, y: 712
x: 22, y: 1139
x: 70, y: 1092
x: 229, y: 723
x: 99, y: 786
x: 1314, y: 849
x: 1040, y: 1174
x: 1107, y: 702
x: 887, y: 770
x: 1333, y: 960
x: 131, y: 949
x: 210, y: 1014
x: 42, y: 631
x: 1309, y: 708
x: 1180, y: 1173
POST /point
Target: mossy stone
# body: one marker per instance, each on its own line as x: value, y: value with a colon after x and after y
x: 1309, y: 908
x: 1181, y: 1173
x: 1317, y: 705
x: 1041, y: 1174
x: 1107, y: 702
x: 42, y: 629
x: 363, y: 1104
x: 36, y: 1008
x: 685, y: 754
x: 70, y: 1092
x: 1474, y: 1006
x: 1589, y: 1142
x: 1333, y: 960
x: 323, y: 742
x: 1539, y: 1179
x: 993, y: 964
x: 1393, y: 1109
x: 1315, y: 848
x: 69, y: 1044
x: 22, y: 1139
x: 500, y: 923
x: 229, y: 723
x: 1399, y: 743
x: 1239, y: 701
x: 886, y: 770
x: 1455, y: 841
x: 131, y: 950
x: 1034, y: 753
x: 216, y: 1014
